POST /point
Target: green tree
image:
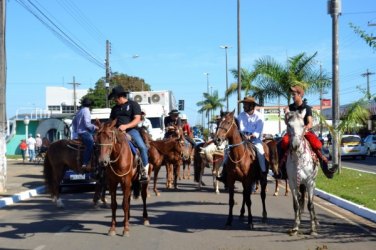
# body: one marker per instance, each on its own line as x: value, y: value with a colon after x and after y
x: 210, y: 104
x: 368, y: 38
x: 99, y: 93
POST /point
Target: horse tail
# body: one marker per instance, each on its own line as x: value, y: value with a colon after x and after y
x: 136, y: 188
x: 48, y: 173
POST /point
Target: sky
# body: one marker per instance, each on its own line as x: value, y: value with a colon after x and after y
x: 177, y: 42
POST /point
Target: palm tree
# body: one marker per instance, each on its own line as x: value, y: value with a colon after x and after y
x: 210, y: 103
x: 276, y: 79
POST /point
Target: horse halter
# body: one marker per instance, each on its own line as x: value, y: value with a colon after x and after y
x: 111, y: 145
x: 218, y: 140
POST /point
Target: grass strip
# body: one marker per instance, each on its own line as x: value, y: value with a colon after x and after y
x: 351, y: 185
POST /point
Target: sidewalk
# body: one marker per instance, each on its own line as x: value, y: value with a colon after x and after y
x: 23, y: 182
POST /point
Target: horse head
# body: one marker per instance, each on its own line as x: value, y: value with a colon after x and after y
x: 225, y: 128
x: 106, y: 138
x: 295, y: 127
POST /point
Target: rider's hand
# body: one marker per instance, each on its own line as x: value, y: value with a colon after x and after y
x: 123, y: 127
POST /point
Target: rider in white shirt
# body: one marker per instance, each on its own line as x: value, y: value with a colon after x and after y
x: 145, y: 122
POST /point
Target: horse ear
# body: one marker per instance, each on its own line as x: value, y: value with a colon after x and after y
x: 113, y: 123
x: 97, y: 122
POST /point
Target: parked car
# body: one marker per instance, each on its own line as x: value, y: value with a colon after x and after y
x: 351, y: 146
x: 370, y: 144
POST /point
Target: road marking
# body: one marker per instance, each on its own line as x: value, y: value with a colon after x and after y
x: 40, y: 247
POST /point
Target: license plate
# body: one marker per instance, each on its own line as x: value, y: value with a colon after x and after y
x: 77, y: 177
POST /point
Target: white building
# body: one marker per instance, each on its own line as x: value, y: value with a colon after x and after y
x: 60, y: 100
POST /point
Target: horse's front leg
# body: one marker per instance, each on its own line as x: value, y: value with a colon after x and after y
x: 126, y: 201
x: 263, y: 184
x: 144, y: 194
x: 276, y: 190
x: 215, y: 174
x: 176, y: 175
x: 247, y: 190
x: 295, y: 199
x: 112, y: 189
x: 231, y: 203
x: 312, y: 213
x: 287, y: 188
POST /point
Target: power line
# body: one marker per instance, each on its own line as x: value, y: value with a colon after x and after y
x: 59, y: 33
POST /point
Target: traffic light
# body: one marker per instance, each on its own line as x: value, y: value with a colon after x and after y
x: 181, y: 104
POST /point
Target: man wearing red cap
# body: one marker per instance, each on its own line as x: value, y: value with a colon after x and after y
x: 297, y: 92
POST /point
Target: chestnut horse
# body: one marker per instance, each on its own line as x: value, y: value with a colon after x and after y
x: 116, y: 156
x: 241, y: 166
x: 166, y: 152
x: 187, y: 156
x: 62, y: 155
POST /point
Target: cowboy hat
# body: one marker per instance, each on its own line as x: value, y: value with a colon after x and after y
x: 174, y: 112
x: 249, y: 99
x: 86, y: 102
x: 298, y: 89
x: 117, y: 91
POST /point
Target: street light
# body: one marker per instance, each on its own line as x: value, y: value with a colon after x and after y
x: 207, y: 81
x: 225, y: 47
x: 26, y: 122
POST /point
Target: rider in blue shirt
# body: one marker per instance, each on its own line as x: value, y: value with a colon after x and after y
x: 83, y: 127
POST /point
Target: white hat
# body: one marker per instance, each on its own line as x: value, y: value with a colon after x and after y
x: 183, y: 117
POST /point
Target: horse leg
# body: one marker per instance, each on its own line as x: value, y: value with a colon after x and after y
x: 144, y: 194
x: 231, y: 203
x: 312, y: 213
x: 295, y: 195
x: 276, y: 190
x: 176, y: 173
x: 156, y: 171
x: 126, y: 201
x: 263, y: 183
x: 112, y: 189
x: 247, y: 199
x: 287, y: 188
x: 215, y: 174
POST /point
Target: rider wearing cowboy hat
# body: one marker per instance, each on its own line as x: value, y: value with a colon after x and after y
x: 83, y: 127
x: 297, y: 91
x: 128, y: 115
x: 251, y: 125
x: 172, y: 120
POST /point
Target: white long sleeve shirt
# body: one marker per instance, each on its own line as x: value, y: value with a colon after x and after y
x: 252, y: 124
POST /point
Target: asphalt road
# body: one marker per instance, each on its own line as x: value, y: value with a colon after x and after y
x: 369, y: 164
x: 180, y: 219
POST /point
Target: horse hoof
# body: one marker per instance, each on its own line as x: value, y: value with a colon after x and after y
x: 275, y: 194
x: 111, y: 232
x: 251, y: 227
x: 228, y: 227
x: 125, y: 234
x: 293, y: 232
x: 146, y: 223
x: 314, y: 233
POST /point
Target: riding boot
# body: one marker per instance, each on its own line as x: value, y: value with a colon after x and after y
x: 328, y: 172
x: 86, y: 167
x: 144, y: 173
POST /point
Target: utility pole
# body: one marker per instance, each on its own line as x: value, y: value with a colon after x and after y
x: 3, y: 159
x: 225, y: 47
x: 239, y: 61
x: 320, y: 81
x: 107, y: 65
x: 74, y: 83
x: 367, y: 74
x: 334, y: 9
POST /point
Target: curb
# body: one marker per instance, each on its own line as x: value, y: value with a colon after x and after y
x: 348, y: 205
x: 22, y: 196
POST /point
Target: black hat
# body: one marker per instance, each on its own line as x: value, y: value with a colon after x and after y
x: 174, y: 112
x: 117, y: 91
x: 86, y: 102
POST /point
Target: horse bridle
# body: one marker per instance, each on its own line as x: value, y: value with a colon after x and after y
x: 114, y: 141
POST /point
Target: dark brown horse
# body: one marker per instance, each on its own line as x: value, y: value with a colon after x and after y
x: 241, y: 165
x: 63, y: 155
x: 121, y: 168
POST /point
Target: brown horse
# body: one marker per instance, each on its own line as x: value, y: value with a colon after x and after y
x: 122, y: 167
x: 241, y: 166
x: 63, y: 155
x: 165, y: 152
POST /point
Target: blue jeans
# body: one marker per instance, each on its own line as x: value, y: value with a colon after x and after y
x: 88, y: 140
x: 31, y: 154
x: 140, y: 144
